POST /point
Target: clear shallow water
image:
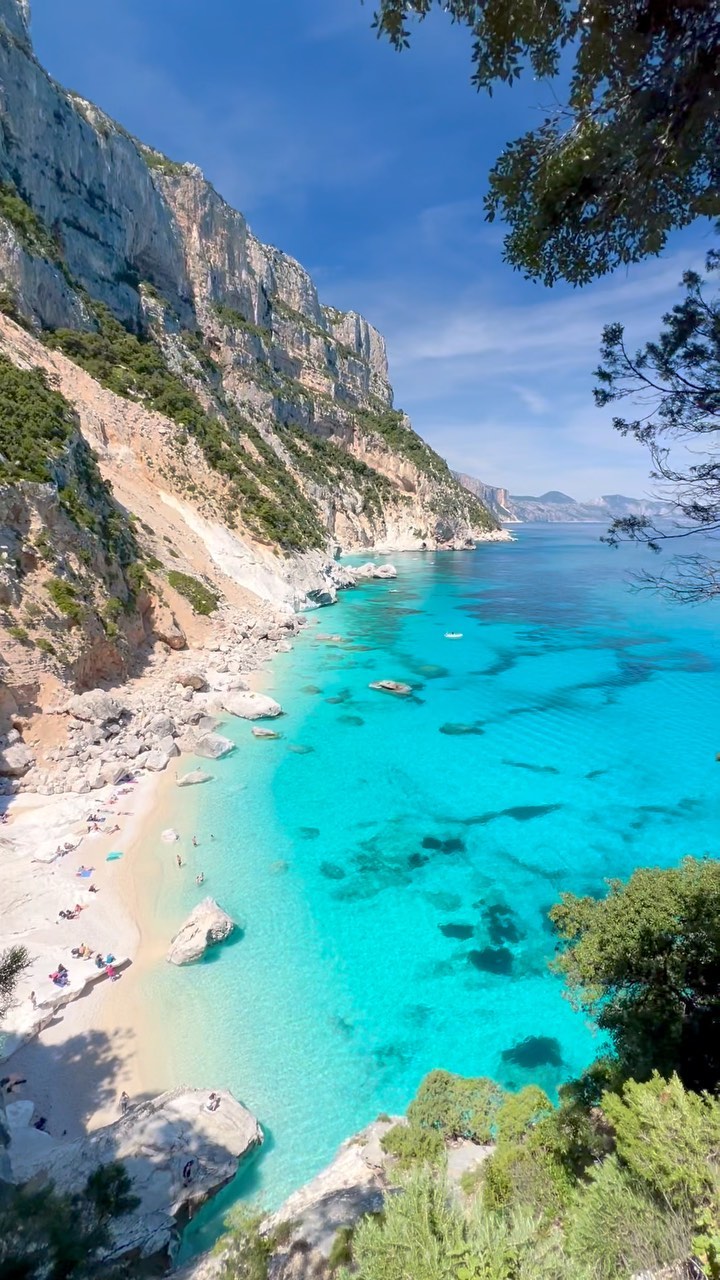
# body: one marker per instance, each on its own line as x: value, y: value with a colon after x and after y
x: 393, y: 877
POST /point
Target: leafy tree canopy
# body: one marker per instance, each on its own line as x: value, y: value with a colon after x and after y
x: 644, y: 962
x: 632, y: 151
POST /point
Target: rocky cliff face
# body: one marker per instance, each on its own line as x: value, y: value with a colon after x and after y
x: 90, y: 217
x: 247, y: 430
x: 497, y: 501
x: 558, y: 508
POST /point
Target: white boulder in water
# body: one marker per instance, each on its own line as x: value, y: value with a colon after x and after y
x: 212, y: 746
x: 250, y: 706
x: 368, y: 571
x: 206, y: 926
x: 194, y: 778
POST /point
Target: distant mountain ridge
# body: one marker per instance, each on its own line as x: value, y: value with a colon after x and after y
x: 555, y: 507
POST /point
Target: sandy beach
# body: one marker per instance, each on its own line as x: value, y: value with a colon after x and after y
x: 92, y: 1042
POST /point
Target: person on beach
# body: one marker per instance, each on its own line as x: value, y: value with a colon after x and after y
x: 124, y: 1103
x: 195, y: 842
x: 200, y: 879
x: 178, y: 859
x: 213, y: 1102
x: 33, y: 1000
x: 187, y: 1172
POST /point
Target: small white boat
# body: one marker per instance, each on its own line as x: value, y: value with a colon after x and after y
x: 453, y: 635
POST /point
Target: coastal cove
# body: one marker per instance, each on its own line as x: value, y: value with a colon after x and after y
x: 391, y: 861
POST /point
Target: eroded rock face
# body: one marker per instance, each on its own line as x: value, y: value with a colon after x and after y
x: 156, y: 1141
x: 206, y: 926
x: 353, y: 1185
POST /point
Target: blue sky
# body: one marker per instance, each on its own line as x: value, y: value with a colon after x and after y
x: 370, y: 167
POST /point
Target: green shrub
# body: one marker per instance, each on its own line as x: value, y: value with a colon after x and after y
x: 341, y: 1248
x: 36, y: 424
x: 45, y: 646
x: 156, y: 160
x: 457, y: 1106
x: 521, y: 1112
x: 617, y: 1229
x: 412, y: 1145
x: 19, y: 633
x: 234, y: 319
x: 524, y: 1175
x: 31, y: 230
x: 201, y: 597
x: 64, y: 597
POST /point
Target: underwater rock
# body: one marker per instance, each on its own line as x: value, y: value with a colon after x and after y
x: 332, y: 871
x: 462, y: 730
x: 391, y: 686
x: 461, y: 931
x: 492, y: 960
x: 535, y: 1051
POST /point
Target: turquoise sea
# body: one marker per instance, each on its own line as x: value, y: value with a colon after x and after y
x: 392, y: 861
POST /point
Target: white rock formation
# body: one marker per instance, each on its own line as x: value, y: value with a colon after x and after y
x: 212, y: 746
x: 194, y: 778
x: 96, y: 707
x: 206, y: 926
x: 177, y: 1153
x: 250, y: 706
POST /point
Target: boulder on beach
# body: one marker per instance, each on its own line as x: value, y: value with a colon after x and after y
x: 194, y: 778
x: 192, y: 679
x: 212, y: 746
x: 157, y: 761
x: 177, y: 1152
x: 259, y: 732
x: 250, y: 706
x: 96, y: 707
x: 206, y: 926
x: 224, y: 681
x: 391, y: 686
x: 15, y: 760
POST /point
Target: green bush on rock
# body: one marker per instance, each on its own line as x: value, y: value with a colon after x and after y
x: 203, y: 600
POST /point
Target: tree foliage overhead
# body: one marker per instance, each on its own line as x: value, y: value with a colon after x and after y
x: 675, y: 378
x: 45, y: 1235
x: 13, y: 962
x: 632, y: 151
x: 644, y: 962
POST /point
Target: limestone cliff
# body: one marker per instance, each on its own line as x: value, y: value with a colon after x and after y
x: 297, y: 392
x: 246, y: 431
